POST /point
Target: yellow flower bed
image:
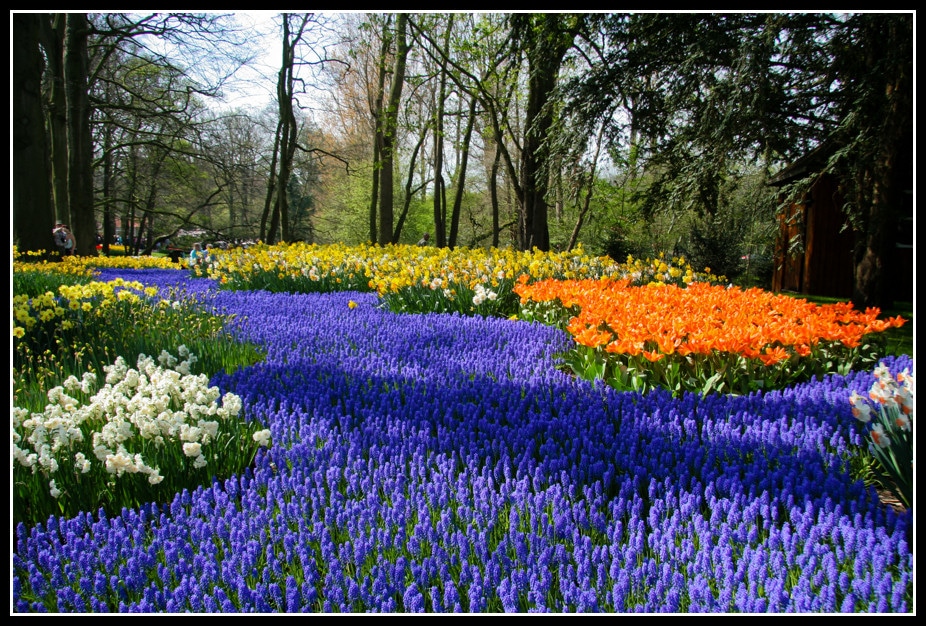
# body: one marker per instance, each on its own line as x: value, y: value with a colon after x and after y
x: 94, y: 298
x: 84, y: 265
x: 426, y: 279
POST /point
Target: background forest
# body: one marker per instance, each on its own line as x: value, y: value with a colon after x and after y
x: 629, y: 134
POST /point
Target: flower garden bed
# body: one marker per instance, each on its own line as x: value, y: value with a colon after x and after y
x: 445, y: 463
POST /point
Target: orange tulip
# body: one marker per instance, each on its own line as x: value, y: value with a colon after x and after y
x: 703, y: 318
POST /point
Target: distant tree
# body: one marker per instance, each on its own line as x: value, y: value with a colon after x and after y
x: 238, y: 147
x: 302, y: 47
x: 460, y: 182
x: 276, y: 206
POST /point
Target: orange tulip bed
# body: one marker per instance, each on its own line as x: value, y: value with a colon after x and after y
x: 702, y: 337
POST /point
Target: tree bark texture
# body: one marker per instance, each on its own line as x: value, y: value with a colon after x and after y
x: 33, y: 217
x: 390, y: 128
x: 80, y: 146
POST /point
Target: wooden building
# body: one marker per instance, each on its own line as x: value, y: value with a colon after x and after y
x: 823, y: 264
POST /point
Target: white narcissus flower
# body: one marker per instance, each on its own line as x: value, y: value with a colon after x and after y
x: 860, y: 408
x: 116, y: 371
x: 482, y: 294
x: 19, y: 415
x: 167, y: 359
x: 71, y: 384
x: 24, y: 458
x: 100, y: 451
x: 879, y: 437
x: 903, y: 396
x: 190, y: 433
x: 46, y: 459
x: 149, y: 429
x: 81, y: 463
x: 210, y: 429
x: 262, y: 437
x: 882, y: 372
x: 120, y: 463
x: 131, y: 378
x: 132, y: 403
x: 87, y: 382
x: 902, y: 422
x: 232, y: 404
x: 53, y: 489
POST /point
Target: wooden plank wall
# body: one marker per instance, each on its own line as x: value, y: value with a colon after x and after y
x: 824, y: 268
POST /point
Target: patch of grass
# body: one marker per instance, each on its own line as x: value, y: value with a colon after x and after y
x: 32, y: 283
x: 900, y: 340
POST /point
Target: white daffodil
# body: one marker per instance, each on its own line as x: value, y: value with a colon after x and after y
x: 262, y: 437
x: 860, y: 408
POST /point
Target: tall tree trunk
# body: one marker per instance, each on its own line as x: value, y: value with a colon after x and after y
x: 265, y: 236
x: 409, y: 192
x: 461, y: 179
x: 106, y: 192
x: 534, y: 229
x: 377, y: 111
x: 128, y: 226
x: 287, y: 129
x: 440, y: 209
x: 592, y: 175
x: 80, y: 147
x: 548, y: 39
x: 284, y: 148
x: 493, y: 192
x: 33, y: 217
x: 880, y: 187
x: 53, y: 33
x: 147, y: 220
x: 440, y: 196
x: 390, y: 128
x: 280, y: 216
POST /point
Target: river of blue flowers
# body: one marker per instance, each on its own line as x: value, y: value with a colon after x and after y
x: 440, y: 463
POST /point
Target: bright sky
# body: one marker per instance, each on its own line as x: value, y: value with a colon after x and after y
x: 255, y: 86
